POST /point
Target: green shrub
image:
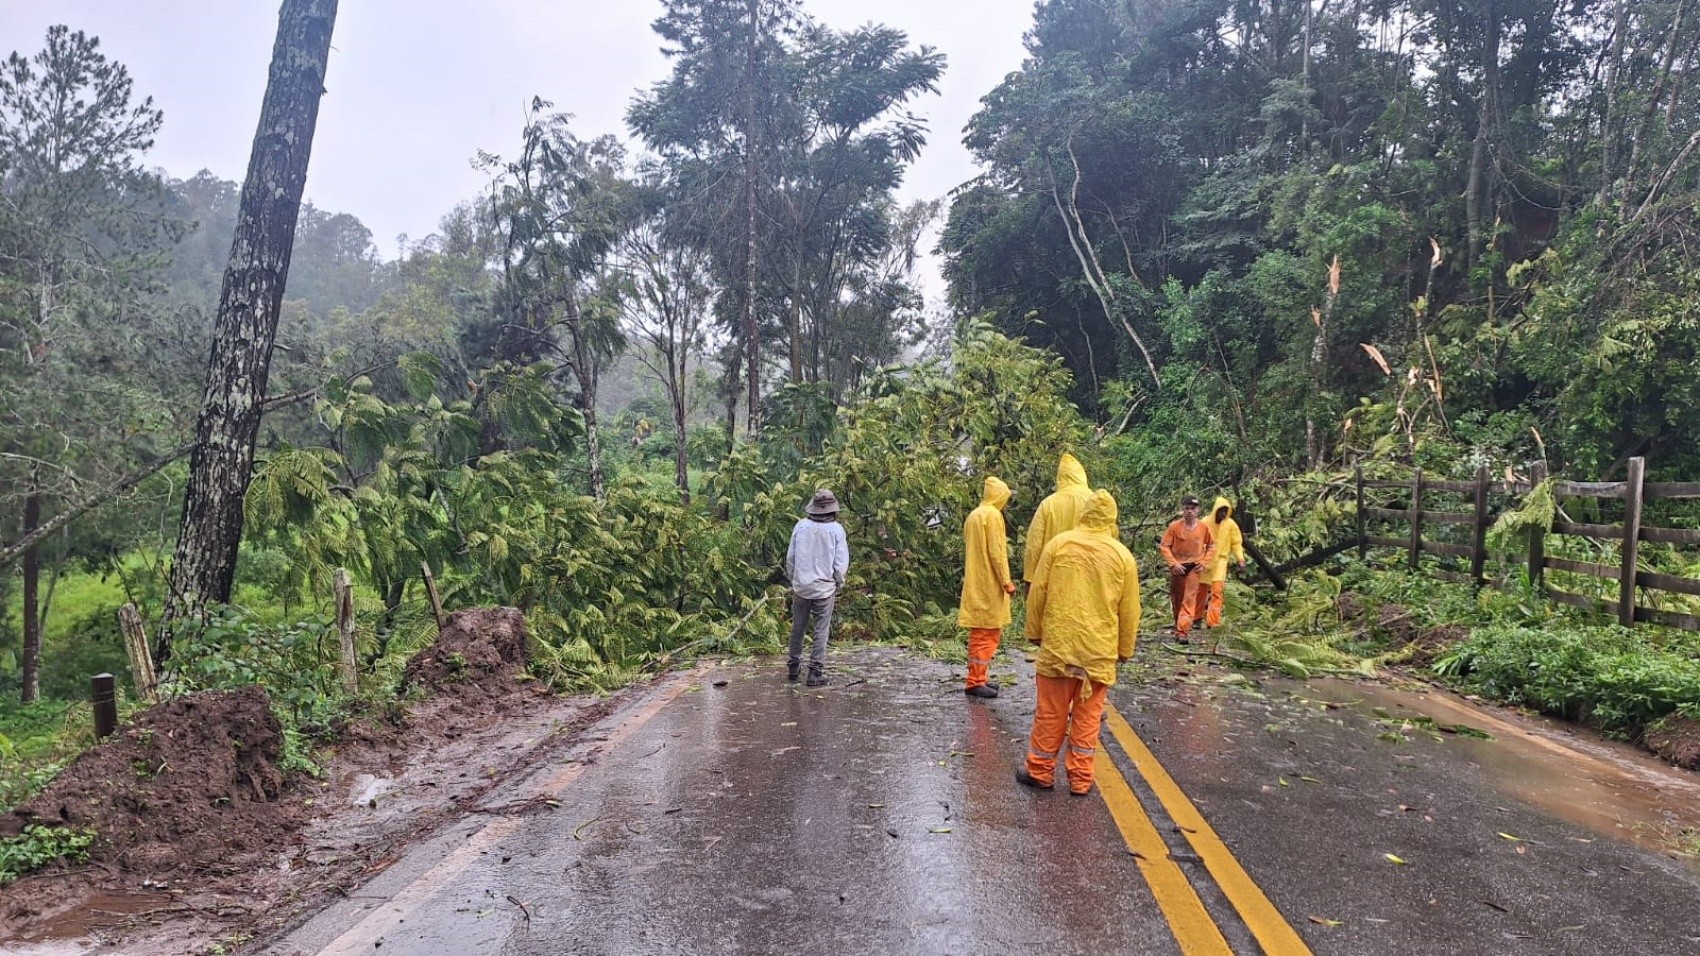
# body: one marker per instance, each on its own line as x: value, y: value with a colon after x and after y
x: 1617, y: 679
x: 38, y: 846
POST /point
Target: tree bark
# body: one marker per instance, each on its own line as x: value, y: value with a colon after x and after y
x: 32, y: 601
x: 681, y: 458
x: 204, y: 564
x: 1480, y: 187
x: 752, y: 336
x: 584, y: 369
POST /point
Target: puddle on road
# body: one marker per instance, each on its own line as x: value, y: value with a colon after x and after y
x: 367, y: 787
x: 1612, y: 788
x: 70, y: 932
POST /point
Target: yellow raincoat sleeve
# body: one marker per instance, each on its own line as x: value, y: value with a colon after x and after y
x: 997, y: 550
x: 1038, y: 596
x: 1127, y: 614
x: 1037, y: 534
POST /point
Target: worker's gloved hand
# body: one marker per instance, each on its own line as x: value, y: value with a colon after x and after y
x: 1009, y: 589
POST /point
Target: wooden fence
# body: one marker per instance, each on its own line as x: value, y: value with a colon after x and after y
x: 1422, y: 514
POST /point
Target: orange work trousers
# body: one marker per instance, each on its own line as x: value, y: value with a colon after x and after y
x: 982, y: 647
x: 1186, y: 599
x: 1208, y: 602
x: 1062, y: 716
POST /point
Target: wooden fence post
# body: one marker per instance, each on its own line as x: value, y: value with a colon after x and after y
x: 344, y: 591
x: 141, y: 659
x: 431, y: 589
x: 1416, y: 518
x: 103, y: 695
x: 1631, y: 541
x: 1537, y: 536
x: 1478, y: 542
x: 1363, y: 540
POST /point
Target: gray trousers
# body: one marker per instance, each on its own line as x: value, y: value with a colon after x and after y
x: 801, y: 608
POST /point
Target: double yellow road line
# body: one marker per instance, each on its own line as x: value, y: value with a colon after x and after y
x: 1194, y: 929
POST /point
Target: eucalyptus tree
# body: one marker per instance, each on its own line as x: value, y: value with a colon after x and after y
x: 716, y: 122
x: 840, y: 169
x: 667, y: 300
x: 561, y: 206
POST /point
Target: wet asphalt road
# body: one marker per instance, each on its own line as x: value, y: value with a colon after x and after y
x: 879, y: 815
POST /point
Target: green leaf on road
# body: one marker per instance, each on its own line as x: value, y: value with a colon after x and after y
x: 1395, y: 860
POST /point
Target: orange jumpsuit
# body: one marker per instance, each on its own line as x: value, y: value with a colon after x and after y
x: 986, y: 582
x: 1189, y: 552
x: 1084, y: 612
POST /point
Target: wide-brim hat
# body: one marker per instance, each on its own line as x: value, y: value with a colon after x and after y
x: 823, y: 503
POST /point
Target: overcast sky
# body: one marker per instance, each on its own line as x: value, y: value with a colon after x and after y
x: 415, y: 87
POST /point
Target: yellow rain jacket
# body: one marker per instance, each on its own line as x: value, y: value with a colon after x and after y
x: 1084, y: 606
x: 985, y: 566
x: 1230, y: 544
x: 1057, y: 513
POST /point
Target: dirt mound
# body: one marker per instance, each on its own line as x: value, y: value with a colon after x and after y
x: 1350, y: 606
x: 1677, y: 739
x: 191, y: 784
x: 480, y: 651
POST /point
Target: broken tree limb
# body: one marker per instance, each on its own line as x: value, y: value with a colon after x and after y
x: 60, y: 520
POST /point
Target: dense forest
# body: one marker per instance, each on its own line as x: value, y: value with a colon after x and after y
x: 1216, y: 244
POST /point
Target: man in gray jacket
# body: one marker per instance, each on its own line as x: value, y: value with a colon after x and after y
x: 816, y: 563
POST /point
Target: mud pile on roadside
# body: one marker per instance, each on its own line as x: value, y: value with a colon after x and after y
x: 480, y: 651
x: 189, y: 785
x: 1676, y: 739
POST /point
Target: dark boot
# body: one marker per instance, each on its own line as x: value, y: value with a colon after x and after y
x: 1026, y: 779
x: 816, y: 677
x: 984, y: 690
x: 794, y: 671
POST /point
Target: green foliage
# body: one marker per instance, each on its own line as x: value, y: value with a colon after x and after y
x: 39, y: 846
x: 1617, y: 679
x: 295, y: 662
x: 1535, y: 513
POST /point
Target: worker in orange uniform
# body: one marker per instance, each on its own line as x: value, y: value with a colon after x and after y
x: 1230, y: 546
x: 1056, y: 514
x: 1083, y: 611
x: 1189, y: 549
x: 986, y: 585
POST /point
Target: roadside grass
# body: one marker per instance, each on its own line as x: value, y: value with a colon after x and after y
x: 1504, y: 645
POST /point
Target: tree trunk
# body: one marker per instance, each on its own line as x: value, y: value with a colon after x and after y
x: 752, y: 336
x: 795, y: 320
x: 681, y: 460
x: 1610, y: 123
x: 734, y: 363
x: 1480, y: 185
x: 32, y: 601
x: 584, y: 369
x: 204, y: 564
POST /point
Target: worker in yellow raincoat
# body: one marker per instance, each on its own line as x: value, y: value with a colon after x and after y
x: 1056, y: 514
x: 986, y: 585
x: 1083, y: 611
x: 1230, y: 546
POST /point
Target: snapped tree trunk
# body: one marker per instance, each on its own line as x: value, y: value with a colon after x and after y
x: 204, y: 563
x: 32, y: 601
